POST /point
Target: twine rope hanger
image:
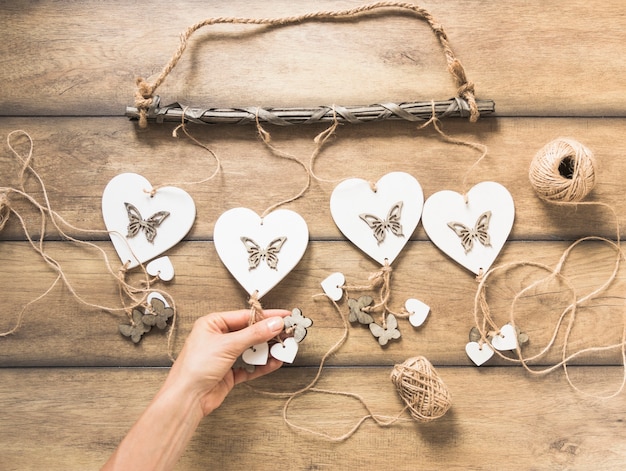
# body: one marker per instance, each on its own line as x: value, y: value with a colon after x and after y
x: 464, y: 104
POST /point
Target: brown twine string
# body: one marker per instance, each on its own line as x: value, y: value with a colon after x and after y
x: 137, y: 296
x: 482, y: 148
x: 562, y: 173
x: 380, y: 420
x: 267, y: 140
x: 419, y: 386
x: 465, y: 89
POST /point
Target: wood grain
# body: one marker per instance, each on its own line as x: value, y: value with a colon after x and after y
x: 77, y: 158
x: 499, y: 417
x: 84, y: 62
x: 71, y: 385
x: 75, y: 334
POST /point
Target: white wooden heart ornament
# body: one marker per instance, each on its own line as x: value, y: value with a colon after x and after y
x: 161, y: 267
x: 164, y: 218
x: 418, y: 311
x: 378, y: 222
x: 472, y: 233
x: 333, y: 285
x: 506, y: 339
x: 256, y: 354
x: 259, y: 253
x: 478, y: 353
x: 156, y: 295
x: 285, y: 352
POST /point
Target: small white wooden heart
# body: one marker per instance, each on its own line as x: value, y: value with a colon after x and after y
x: 155, y: 295
x: 161, y: 267
x: 379, y: 222
x: 133, y: 189
x: 418, y: 311
x: 259, y: 253
x: 285, y: 352
x: 506, y: 339
x: 256, y: 354
x: 478, y: 353
x: 333, y: 285
x: 459, y: 228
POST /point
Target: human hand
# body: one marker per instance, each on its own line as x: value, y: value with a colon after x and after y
x: 204, y: 366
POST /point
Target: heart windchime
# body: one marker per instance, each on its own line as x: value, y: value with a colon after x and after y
x: 143, y: 224
x: 379, y: 219
x: 259, y: 252
x: 472, y: 229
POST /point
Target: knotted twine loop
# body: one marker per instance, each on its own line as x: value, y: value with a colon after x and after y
x: 144, y: 95
x: 563, y: 171
x: 422, y: 389
x: 136, y: 296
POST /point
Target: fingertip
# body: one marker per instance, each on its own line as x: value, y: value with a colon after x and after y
x: 275, y: 324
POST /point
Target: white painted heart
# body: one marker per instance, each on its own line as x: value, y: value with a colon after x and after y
x: 285, y: 352
x: 418, y: 311
x: 136, y: 190
x: 487, y: 202
x: 161, y: 267
x: 256, y: 354
x: 155, y: 295
x: 478, y: 353
x: 391, y: 211
x: 333, y: 285
x: 506, y: 339
x: 259, y: 253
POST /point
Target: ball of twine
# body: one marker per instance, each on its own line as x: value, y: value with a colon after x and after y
x: 563, y: 171
x: 421, y: 389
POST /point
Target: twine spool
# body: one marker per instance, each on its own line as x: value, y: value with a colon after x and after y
x: 563, y: 171
x: 421, y: 389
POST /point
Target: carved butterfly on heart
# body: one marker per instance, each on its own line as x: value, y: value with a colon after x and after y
x: 473, y: 229
x: 259, y: 253
x: 143, y: 224
x: 379, y: 218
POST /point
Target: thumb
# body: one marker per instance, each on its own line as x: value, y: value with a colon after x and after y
x: 259, y: 332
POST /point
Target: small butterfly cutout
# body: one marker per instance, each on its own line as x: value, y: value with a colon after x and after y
x: 479, y: 232
x: 257, y: 254
x: 298, y: 323
x: 137, y: 223
x: 136, y: 328
x: 380, y: 227
x: 158, y: 314
x: 387, y: 333
x: 357, y: 307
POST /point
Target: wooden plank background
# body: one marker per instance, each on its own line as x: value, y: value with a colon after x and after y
x: 70, y: 385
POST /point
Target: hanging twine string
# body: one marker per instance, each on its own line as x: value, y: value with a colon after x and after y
x: 380, y: 420
x: 144, y: 96
x: 132, y: 297
x: 563, y: 173
x: 218, y: 164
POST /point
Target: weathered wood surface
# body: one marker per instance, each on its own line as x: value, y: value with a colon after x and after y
x: 73, y: 418
x: 531, y: 58
x: 70, y: 385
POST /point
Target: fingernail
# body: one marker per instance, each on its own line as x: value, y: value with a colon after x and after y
x: 275, y: 324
